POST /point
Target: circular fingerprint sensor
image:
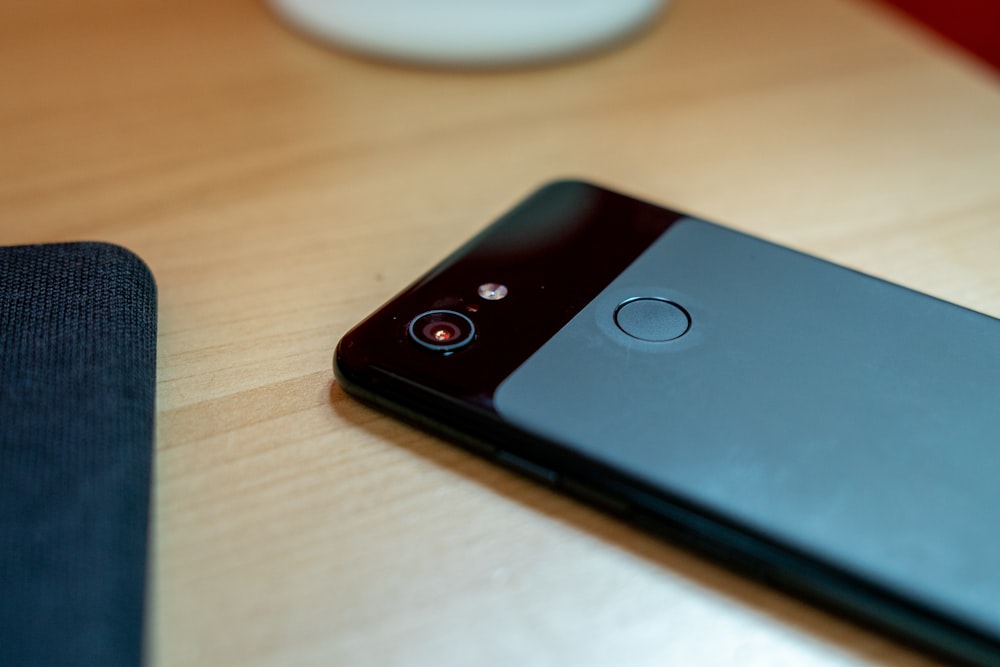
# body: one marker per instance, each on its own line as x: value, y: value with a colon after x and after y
x: 652, y: 319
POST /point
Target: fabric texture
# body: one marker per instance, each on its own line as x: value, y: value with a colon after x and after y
x: 77, y: 389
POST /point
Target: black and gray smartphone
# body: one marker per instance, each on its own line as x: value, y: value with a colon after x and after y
x: 823, y: 430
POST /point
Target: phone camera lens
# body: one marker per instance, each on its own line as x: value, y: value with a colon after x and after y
x: 442, y: 330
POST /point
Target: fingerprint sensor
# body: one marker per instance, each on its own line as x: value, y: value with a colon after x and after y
x: 652, y: 319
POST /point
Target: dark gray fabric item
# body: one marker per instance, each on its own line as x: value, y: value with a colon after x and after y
x: 77, y: 388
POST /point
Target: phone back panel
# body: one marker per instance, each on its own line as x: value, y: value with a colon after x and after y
x: 851, y: 418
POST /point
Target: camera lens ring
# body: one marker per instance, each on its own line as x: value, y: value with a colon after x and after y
x: 441, y: 330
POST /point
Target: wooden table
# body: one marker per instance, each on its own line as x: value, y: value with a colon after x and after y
x: 280, y: 191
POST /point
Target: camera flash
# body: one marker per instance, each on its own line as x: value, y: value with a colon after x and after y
x: 492, y: 291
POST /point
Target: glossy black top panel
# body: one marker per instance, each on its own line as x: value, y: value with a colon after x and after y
x: 554, y: 252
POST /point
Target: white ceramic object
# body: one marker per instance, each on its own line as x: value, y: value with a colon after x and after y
x: 469, y: 32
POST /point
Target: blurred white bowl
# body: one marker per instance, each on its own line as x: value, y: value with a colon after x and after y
x: 469, y: 32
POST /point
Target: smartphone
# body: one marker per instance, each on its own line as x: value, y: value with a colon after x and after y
x: 820, y: 429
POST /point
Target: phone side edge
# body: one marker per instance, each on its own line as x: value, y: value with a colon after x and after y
x: 775, y: 565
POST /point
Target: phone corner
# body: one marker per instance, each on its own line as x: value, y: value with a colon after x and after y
x: 341, y: 372
x: 567, y: 183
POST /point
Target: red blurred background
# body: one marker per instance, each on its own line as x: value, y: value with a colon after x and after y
x: 974, y: 25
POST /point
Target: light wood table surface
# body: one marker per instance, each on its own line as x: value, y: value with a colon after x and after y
x: 280, y: 191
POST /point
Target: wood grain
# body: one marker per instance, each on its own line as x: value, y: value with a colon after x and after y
x: 280, y: 191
